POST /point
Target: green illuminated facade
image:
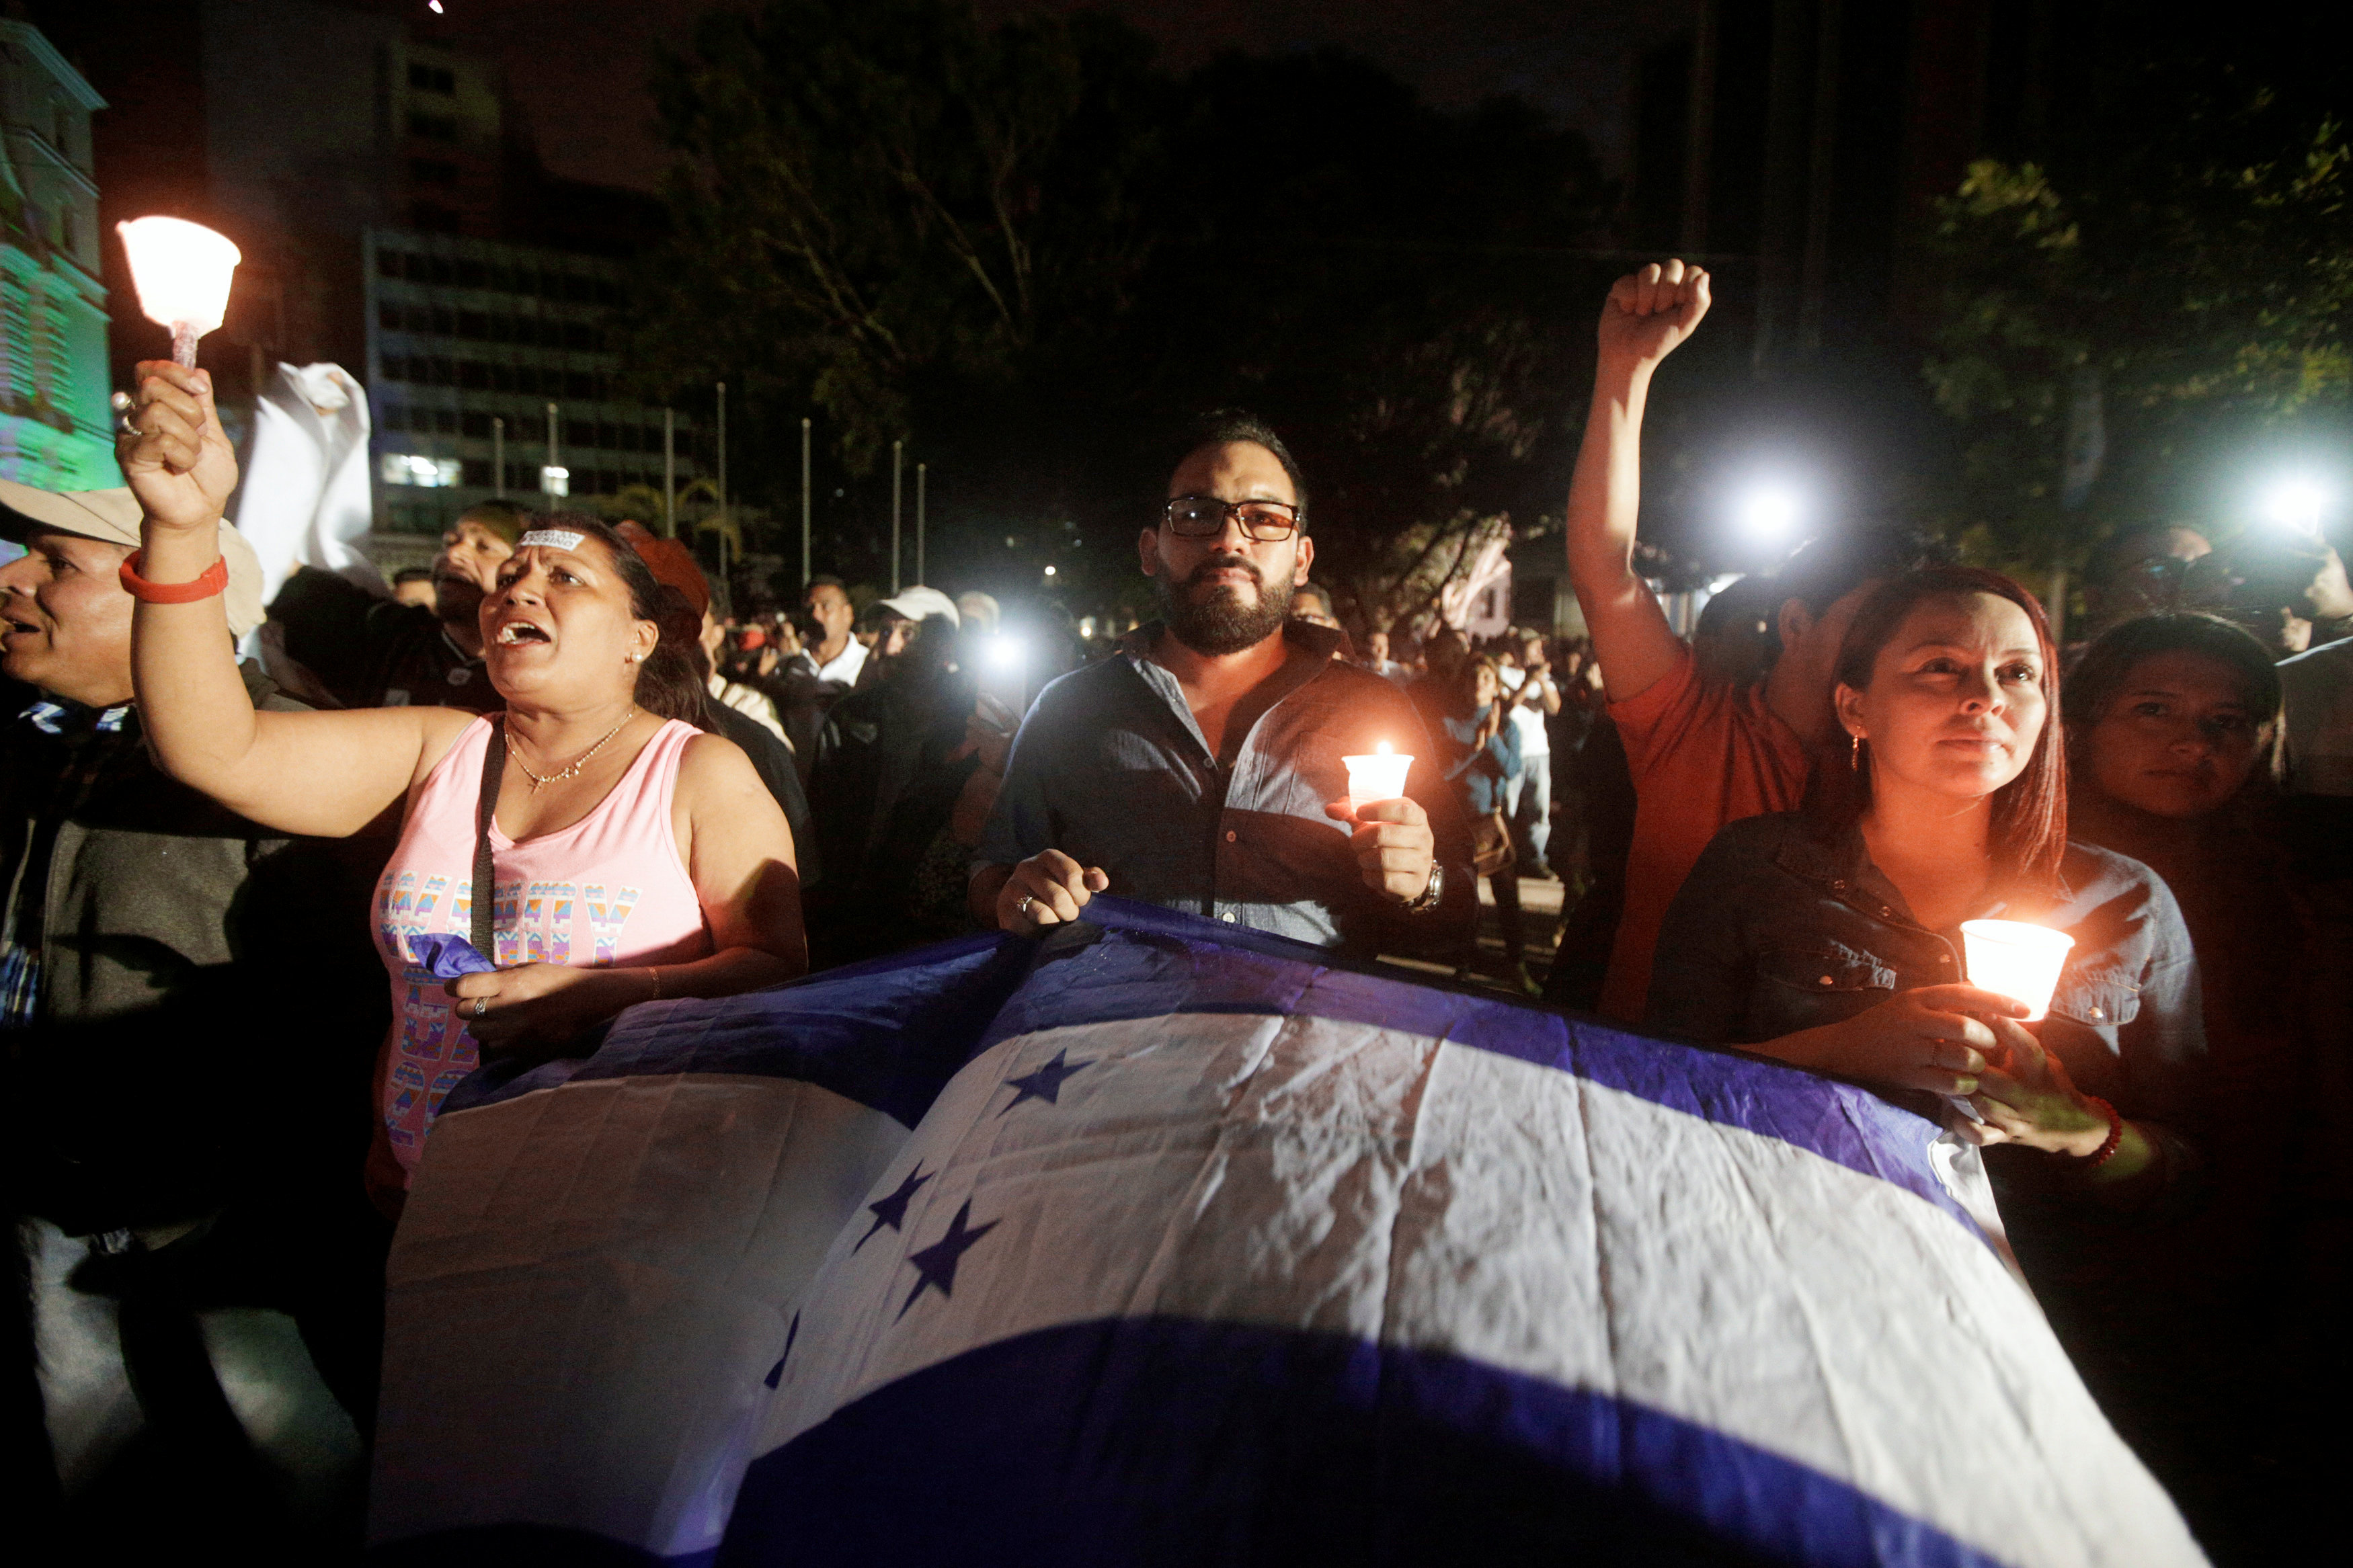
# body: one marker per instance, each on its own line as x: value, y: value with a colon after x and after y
x: 52, y: 374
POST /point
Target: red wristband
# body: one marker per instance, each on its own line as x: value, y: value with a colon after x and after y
x: 214, y: 579
x: 2115, y: 1133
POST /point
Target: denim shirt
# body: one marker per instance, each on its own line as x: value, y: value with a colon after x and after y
x: 1483, y: 773
x: 1111, y: 768
x: 1780, y: 928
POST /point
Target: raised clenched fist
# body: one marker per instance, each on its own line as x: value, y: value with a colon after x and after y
x: 1650, y: 313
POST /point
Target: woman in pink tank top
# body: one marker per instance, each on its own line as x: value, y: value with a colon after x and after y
x: 634, y: 857
x: 610, y: 890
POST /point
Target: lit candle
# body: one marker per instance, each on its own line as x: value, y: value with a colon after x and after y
x: 2016, y: 960
x: 182, y: 271
x: 1380, y: 777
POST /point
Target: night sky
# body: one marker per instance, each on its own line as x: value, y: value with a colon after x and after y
x: 577, y: 67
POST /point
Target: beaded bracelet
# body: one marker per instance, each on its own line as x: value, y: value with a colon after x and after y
x: 2115, y: 1137
x: 213, y: 581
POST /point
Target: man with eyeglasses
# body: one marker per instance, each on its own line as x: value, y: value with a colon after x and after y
x: 1199, y: 768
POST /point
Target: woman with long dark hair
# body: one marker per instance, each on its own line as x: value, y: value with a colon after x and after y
x: 632, y: 855
x: 1829, y: 937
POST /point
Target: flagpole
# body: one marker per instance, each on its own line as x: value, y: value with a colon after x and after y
x: 669, y: 472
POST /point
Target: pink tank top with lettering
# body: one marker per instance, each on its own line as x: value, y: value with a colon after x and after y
x: 610, y: 889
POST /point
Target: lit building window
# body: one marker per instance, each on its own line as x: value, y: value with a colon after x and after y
x: 430, y: 473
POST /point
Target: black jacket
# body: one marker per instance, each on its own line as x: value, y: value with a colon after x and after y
x: 210, y: 1001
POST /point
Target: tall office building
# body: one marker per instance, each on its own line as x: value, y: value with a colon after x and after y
x: 53, y: 382
x: 396, y: 221
x: 466, y: 333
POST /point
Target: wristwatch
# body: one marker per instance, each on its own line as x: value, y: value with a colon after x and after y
x: 1430, y: 895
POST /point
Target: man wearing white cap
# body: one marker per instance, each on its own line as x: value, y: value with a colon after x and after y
x: 182, y: 1028
x: 902, y: 614
x: 892, y: 758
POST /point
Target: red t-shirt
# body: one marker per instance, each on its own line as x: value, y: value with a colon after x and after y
x: 1703, y: 754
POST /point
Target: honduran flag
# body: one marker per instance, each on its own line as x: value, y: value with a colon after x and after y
x: 1163, y: 1243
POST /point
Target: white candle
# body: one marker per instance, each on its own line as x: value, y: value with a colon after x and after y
x: 1380, y: 777
x: 2016, y: 960
x: 182, y: 271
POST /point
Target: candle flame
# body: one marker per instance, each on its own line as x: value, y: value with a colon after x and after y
x: 1383, y: 748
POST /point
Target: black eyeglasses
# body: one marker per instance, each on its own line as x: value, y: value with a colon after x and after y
x: 1204, y: 517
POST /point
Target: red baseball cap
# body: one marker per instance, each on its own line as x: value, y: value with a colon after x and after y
x: 671, y: 562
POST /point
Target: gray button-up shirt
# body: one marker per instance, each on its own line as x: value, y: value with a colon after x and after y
x: 1111, y: 769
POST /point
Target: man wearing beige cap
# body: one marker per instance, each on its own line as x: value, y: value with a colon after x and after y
x: 188, y: 1053
x: 75, y: 544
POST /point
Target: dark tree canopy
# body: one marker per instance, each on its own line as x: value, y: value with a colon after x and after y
x: 1029, y: 253
x: 2182, y: 262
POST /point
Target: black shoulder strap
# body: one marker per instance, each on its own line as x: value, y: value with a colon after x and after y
x: 494, y: 768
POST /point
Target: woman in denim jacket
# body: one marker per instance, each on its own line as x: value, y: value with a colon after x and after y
x: 1829, y: 938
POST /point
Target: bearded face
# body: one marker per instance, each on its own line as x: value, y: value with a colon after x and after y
x: 1222, y: 592
x: 1224, y: 606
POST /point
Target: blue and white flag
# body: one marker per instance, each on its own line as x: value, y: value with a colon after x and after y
x: 1167, y: 1243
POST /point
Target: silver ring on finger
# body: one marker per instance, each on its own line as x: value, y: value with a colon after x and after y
x: 481, y: 1006
x: 1022, y: 908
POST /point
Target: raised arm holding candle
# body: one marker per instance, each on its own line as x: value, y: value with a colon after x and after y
x: 600, y: 734
x: 1925, y: 908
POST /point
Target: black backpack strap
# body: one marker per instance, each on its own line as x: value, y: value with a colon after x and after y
x: 494, y: 767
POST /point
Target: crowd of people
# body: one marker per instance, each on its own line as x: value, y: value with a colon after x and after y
x: 233, y: 886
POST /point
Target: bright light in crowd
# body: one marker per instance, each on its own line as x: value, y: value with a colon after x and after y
x: 1770, y: 512
x: 2296, y: 503
x: 1003, y: 652
x: 1050, y: 570
x: 555, y: 481
x: 182, y: 271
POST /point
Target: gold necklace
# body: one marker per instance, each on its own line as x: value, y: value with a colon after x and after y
x: 578, y: 762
